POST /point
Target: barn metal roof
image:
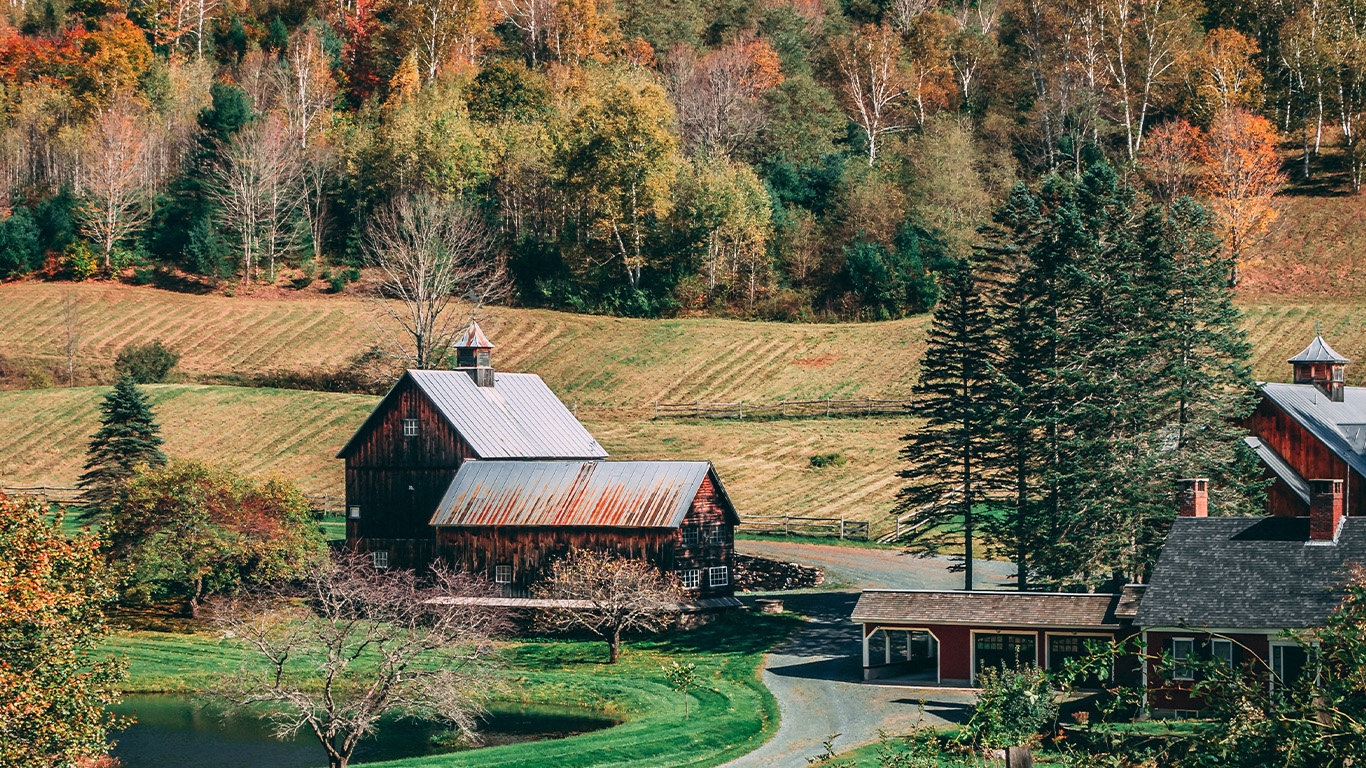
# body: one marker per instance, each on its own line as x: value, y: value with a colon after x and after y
x: 1278, y: 465
x: 1318, y: 351
x: 474, y: 337
x: 1000, y: 608
x: 619, y: 494
x: 1339, y: 426
x: 516, y: 418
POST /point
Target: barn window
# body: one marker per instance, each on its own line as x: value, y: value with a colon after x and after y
x: 716, y: 535
x: 689, y: 535
x: 353, y: 513
x: 1182, y: 649
x: 410, y: 427
x: 718, y: 576
x: 690, y: 578
x: 380, y: 559
x: 502, y: 574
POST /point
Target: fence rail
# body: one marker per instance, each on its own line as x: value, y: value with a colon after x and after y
x: 806, y: 526
x: 781, y: 409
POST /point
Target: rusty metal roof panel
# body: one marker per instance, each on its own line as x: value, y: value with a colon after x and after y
x: 596, y: 494
x: 517, y: 418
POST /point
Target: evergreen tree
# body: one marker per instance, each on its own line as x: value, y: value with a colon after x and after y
x: 954, y: 395
x: 127, y: 437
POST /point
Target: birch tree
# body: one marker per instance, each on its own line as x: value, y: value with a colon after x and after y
x: 256, y: 186
x: 874, y: 82
x: 115, y: 176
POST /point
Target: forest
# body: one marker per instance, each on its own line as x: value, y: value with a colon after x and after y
x: 781, y: 159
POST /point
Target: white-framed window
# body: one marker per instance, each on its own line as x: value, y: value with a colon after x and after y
x: 690, y: 578
x: 718, y: 576
x: 716, y: 535
x: 502, y: 574
x: 1288, y: 662
x: 410, y: 427
x: 689, y: 535
x: 1183, y: 648
x: 380, y: 558
x: 1221, y: 650
x: 353, y: 513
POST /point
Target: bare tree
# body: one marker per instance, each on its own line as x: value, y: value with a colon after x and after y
x: 115, y: 176
x: 430, y: 252
x: 532, y: 18
x: 256, y: 185
x: 607, y: 595
x: 718, y: 95
x: 352, y: 643
x: 73, y: 328
x: 875, y: 83
x: 306, y: 88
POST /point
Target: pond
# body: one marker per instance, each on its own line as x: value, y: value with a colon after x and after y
x: 179, y: 732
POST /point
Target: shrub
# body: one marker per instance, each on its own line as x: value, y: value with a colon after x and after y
x: 823, y: 460
x: 144, y: 275
x: 81, y: 262
x: 20, y: 249
x: 147, y: 363
x: 336, y: 283
x: 1013, y: 707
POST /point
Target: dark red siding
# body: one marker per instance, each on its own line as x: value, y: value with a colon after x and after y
x: 530, y: 551
x: 398, y: 481
x: 1175, y: 694
x: 1303, y: 452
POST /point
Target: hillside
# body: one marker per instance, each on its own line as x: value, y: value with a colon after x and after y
x: 603, y: 361
x: 766, y: 466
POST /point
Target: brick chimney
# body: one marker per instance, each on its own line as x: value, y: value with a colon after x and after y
x: 1192, y: 497
x: 1325, y: 509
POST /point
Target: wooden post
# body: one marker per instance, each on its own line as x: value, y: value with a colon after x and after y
x: 699, y: 409
x: 841, y: 527
x: 827, y: 406
x: 1019, y: 757
x: 656, y: 409
x: 787, y: 529
x: 741, y: 408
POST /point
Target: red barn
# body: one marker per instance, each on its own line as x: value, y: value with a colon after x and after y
x: 1313, y: 428
x: 490, y: 471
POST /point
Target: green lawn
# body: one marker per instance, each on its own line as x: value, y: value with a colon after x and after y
x: 731, y: 711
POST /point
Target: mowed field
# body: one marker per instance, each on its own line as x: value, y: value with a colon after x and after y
x: 765, y: 465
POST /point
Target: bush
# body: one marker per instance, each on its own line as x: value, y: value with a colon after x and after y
x: 1013, y: 707
x: 823, y: 460
x: 81, y: 262
x: 144, y: 275
x: 336, y: 284
x: 147, y: 363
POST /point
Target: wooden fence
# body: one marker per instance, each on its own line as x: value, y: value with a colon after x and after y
x: 806, y: 526
x: 324, y: 505
x: 783, y: 409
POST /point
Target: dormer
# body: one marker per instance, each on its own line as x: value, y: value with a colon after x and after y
x: 474, y: 355
x: 1319, y: 365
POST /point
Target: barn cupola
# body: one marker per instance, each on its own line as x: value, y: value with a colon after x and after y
x: 474, y: 355
x: 1319, y: 365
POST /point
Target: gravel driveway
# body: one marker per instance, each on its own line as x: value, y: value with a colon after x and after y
x: 816, y: 677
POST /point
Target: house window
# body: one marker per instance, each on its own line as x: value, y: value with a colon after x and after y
x: 690, y: 578
x: 1222, y: 651
x: 1182, y: 650
x: 410, y: 427
x: 716, y: 535
x: 1287, y: 664
x: 380, y: 559
x: 502, y: 574
x: 689, y: 535
x: 353, y: 513
x: 718, y: 576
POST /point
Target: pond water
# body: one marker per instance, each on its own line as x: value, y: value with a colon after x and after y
x: 180, y: 732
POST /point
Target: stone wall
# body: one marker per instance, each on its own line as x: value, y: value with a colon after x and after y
x: 761, y: 574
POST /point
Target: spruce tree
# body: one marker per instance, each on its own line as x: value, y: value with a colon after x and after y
x: 127, y: 437
x: 954, y: 395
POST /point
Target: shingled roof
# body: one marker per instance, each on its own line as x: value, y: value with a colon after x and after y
x: 625, y: 494
x: 516, y: 418
x: 1248, y: 573
x: 987, y: 608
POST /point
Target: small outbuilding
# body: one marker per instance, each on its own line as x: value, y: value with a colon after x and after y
x: 509, y: 520
x: 947, y: 637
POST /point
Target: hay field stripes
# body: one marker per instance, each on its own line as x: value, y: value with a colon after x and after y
x: 615, y: 362
x: 766, y: 466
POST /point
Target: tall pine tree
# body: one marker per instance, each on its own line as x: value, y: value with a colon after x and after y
x: 127, y: 438
x: 954, y: 395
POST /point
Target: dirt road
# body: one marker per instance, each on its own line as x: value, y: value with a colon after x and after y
x: 865, y: 568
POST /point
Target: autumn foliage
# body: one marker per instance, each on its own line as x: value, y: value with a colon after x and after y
x: 53, y: 689
x: 1242, y: 176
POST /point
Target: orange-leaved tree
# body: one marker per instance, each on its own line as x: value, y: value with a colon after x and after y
x: 53, y: 688
x: 1242, y: 176
x: 1170, y: 159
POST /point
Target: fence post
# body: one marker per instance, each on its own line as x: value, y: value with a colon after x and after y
x: 827, y: 406
x: 841, y: 527
x: 740, y: 406
x: 656, y: 410
x: 787, y: 526
x: 699, y: 409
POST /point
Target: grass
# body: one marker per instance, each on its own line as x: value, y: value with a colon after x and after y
x: 296, y: 434
x: 731, y: 711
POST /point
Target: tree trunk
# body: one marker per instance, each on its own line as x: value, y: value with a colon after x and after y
x: 614, y: 645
